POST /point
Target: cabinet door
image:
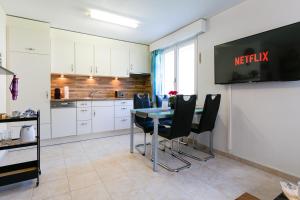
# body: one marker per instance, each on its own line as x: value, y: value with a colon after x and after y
x: 28, y: 36
x: 84, y: 58
x: 139, y: 59
x: 33, y: 71
x: 103, y: 119
x: 62, y: 52
x: 102, y: 60
x: 120, y: 60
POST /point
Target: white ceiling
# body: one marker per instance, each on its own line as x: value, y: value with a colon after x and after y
x: 158, y: 17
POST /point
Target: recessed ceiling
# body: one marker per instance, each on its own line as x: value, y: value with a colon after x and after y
x: 158, y: 17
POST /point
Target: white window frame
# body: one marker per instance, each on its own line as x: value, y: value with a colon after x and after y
x: 176, y: 59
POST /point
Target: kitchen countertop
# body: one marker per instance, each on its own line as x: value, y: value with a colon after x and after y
x: 90, y: 99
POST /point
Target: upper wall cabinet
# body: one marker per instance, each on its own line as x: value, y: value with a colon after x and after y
x: 84, y: 55
x: 139, y: 59
x: 75, y: 53
x: 102, y: 57
x: 62, y: 52
x: 27, y: 36
x: 120, y: 59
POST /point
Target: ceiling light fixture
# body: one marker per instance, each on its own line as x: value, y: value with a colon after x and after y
x: 113, y: 18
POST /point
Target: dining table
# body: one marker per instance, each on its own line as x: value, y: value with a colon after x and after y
x: 156, y: 114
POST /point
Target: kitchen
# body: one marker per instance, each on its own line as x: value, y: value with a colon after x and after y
x: 149, y: 100
x: 93, y: 68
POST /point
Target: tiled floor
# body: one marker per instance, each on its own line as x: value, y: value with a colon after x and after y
x: 103, y: 169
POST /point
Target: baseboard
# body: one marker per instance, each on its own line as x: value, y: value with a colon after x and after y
x: 264, y: 168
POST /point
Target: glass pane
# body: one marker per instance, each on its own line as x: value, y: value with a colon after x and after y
x: 186, y: 69
x: 169, y: 71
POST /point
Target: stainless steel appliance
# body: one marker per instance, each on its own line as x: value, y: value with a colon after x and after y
x: 63, y: 118
x: 119, y: 94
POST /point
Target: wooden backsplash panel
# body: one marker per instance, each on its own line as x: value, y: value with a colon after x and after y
x: 81, y: 86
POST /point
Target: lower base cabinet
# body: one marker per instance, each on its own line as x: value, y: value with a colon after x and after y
x: 122, y: 123
x: 102, y: 119
x: 84, y: 127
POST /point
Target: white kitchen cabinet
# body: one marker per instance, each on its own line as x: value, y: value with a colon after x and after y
x: 62, y: 52
x: 102, y: 119
x: 122, y: 111
x: 84, y: 117
x: 139, y: 59
x: 102, y: 60
x: 28, y: 36
x: 84, y: 127
x: 84, y: 58
x: 122, y: 114
x: 122, y: 123
x: 120, y: 59
x: 33, y: 71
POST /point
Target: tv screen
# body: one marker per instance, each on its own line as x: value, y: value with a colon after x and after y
x: 269, y: 56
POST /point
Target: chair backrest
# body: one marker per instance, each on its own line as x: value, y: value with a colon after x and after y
x: 159, y: 99
x: 210, y: 112
x: 141, y: 101
x: 183, y: 115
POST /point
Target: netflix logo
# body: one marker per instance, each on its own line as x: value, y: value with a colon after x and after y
x: 252, y: 58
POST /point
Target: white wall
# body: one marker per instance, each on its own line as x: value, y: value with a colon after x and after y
x: 265, y: 116
x: 2, y: 77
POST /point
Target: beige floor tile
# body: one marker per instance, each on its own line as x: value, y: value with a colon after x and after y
x: 83, y: 180
x: 94, y: 192
x: 51, y: 189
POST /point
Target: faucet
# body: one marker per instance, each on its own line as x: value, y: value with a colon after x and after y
x: 93, y: 93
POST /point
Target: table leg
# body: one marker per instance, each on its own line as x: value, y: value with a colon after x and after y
x: 131, y: 133
x: 155, y: 144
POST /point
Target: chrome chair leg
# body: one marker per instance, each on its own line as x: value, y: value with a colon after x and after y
x: 187, y: 164
x: 143, y: 145
x: 210, y: 151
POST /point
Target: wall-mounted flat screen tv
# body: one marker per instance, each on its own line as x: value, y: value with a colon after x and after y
x: 269, y: 56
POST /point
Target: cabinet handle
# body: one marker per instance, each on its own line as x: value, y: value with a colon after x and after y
x: 72, y: 67
x: 123, y: 102
x: 124, y: 108
x: 94, y: 113
x: 83, y: 110
x: 91, y: 69
x: 47, y: 95
x: 97, y: 70
x: 83, y: 124
x: 30, y: 49
x: 124, y: 120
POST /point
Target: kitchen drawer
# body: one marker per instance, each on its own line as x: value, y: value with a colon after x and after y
x: 122, y: 111
x: 124, y: 102
x: 84, y: 113
x: 102, y: 103
x: 122, y: 123
x: 84, y: 127
x: 83, y: 104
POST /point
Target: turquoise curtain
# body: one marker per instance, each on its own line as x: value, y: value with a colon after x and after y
x: 156, y: 58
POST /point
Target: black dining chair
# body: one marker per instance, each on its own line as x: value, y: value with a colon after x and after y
x: 180, y: 127
x: 142, y: 122
x: 207, y: 124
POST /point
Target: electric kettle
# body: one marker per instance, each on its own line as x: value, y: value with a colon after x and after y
x: 27, y: 133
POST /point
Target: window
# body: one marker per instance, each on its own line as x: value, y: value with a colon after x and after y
x: 168, y: 71
x: 179, y: 68
x: 186, y: 69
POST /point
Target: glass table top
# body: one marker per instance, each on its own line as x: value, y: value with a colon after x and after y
x: 158, y: 112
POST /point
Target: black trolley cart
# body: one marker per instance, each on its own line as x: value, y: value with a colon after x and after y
x: 18, y: 172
